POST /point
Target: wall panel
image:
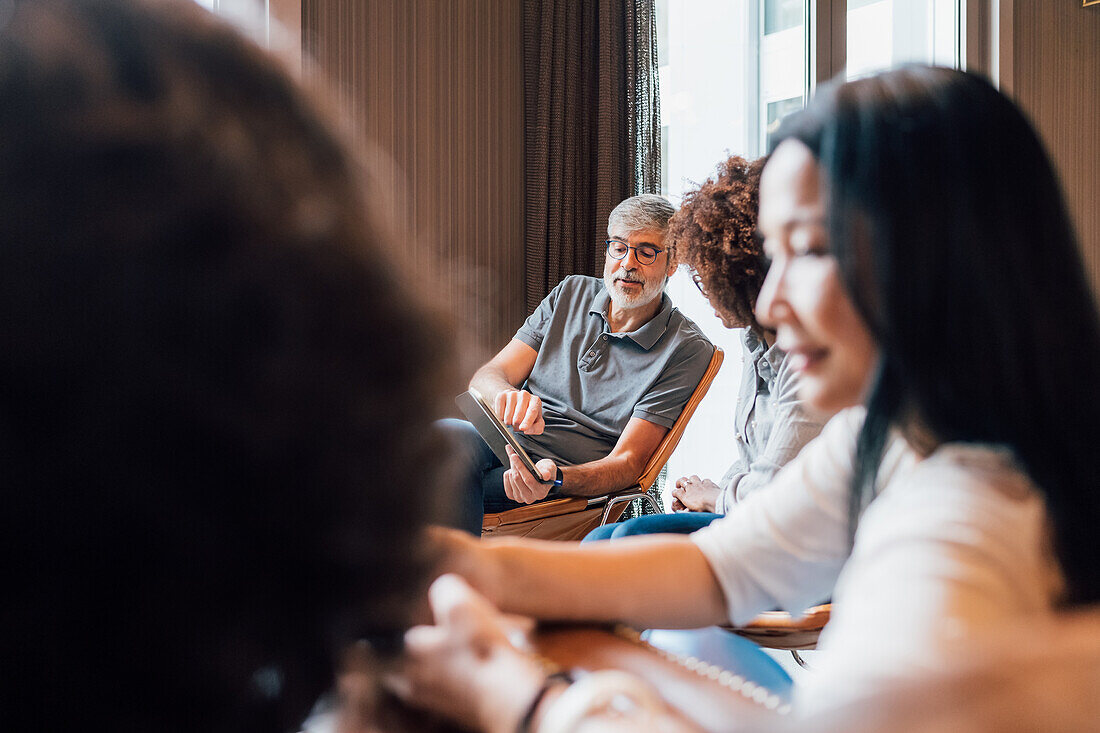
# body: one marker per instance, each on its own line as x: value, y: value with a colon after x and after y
x: 1055, y: 76
x: 437, y: 86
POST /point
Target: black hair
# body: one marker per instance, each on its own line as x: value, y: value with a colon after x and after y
x: 954, y: 242
x: 215, y: 393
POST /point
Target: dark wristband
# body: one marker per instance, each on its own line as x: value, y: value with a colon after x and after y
x: 559, y: 477
x: 551, y: 680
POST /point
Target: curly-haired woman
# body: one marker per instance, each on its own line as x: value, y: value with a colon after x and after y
x: 714, y: 234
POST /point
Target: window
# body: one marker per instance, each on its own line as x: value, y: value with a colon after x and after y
x: 783, y: 64
x: 253, y: 17
x: 885, y: 33
x: 730, y: 71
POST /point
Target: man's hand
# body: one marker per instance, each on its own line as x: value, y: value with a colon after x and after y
x: 695, y: 494
x: 521, y: 410
x: 521, y: 486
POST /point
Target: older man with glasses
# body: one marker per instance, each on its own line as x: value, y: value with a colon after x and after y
x: 593, y: 379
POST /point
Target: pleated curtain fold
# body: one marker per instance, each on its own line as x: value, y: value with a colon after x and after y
x: 592, y: 129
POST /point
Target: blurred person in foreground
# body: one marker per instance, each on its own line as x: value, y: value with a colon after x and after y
x: 199, y: 436
x: 925, y: 280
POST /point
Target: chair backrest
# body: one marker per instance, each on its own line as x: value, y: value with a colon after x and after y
x: 560, y: 518
x: 672, y: 438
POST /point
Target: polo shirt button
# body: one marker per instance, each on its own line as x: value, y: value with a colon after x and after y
x: 605, y: 337
x: 591, y: 353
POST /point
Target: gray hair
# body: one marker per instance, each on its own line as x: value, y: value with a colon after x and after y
x: 647, y: 211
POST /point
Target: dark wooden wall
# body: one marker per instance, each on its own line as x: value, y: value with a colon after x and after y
x: 1053, y: 71
x: 437, y: 86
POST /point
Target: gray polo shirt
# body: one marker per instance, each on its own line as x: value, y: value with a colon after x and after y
x: 592, y: 381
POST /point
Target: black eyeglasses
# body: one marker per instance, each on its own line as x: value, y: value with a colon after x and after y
x: 698, y: 280
x: 646, y: 254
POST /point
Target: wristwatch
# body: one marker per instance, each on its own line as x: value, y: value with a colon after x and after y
x: 559, y: 478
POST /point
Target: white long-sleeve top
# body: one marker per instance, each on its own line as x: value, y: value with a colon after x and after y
x: 954, y: 543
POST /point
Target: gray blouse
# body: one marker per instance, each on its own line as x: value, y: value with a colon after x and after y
x: 771, y: 423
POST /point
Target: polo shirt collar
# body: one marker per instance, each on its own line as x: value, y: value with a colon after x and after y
x: 651, y: 330
x: 600, y: 301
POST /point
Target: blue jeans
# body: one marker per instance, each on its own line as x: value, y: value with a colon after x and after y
x: 482, y: 486
x: 678, y: 523
x: 727, y: 650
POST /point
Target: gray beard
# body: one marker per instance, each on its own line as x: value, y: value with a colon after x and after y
x: 650, y: 291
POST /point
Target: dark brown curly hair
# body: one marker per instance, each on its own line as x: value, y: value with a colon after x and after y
x: 714, y: 233
x: 216, y: 395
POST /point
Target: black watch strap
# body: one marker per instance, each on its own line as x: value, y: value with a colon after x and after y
x: 549, y: 683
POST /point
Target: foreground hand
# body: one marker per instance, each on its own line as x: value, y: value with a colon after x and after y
x: 521, y: 410
x: 465, y: 668
x: 521, y: 486
x: 456, y: 551
x: 696, y: 494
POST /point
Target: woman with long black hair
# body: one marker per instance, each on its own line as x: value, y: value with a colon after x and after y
x: 925, y: 280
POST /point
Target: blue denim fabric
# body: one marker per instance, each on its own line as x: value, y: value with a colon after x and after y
x: 678, y: 523
x: 728, y: 651
x: 482, y: 486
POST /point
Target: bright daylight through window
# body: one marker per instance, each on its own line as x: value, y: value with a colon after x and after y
x: 730, y: 70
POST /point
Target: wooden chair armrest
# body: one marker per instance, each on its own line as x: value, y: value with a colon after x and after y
x: 814, y: 619
x: 532, y: 512
x: 552, y: 508
x: 780, y: 630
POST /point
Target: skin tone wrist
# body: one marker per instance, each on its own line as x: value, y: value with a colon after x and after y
x: 547, y: 700
x: 523, y: 679
x: 709, y: 499
x: 490, y: 380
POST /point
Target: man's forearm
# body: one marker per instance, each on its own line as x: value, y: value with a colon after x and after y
x: 600, y: 477
x: 621, y: 467
x: 490, y: 380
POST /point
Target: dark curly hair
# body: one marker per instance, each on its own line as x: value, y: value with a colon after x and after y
x: 215, y: 394
x: 714, y: 233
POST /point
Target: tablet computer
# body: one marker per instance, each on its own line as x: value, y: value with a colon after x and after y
x: 495, y: 433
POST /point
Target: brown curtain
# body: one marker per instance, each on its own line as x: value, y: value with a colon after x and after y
x: 437, y: 88
x: 592, y: 129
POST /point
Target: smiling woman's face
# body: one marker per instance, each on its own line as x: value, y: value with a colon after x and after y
x: 803, y: 298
